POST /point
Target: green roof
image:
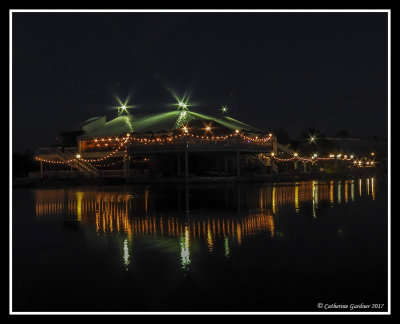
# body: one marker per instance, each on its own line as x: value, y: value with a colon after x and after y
x: 161, y: 122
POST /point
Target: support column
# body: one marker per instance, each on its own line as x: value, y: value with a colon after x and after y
x: 41, y: 169
x: 126, y: 167
x: 238, y: 163
x: 271, y: 170
x: 186, y: 165
x: 179, y: 164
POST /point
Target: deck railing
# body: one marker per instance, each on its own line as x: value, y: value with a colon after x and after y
x: 77, y: 174
x: 193, y: 143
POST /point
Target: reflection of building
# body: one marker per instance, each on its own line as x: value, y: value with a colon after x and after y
x: 111, y: 212
x: 132, y: 214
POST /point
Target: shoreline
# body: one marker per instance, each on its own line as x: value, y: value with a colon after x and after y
x: 270, y: 178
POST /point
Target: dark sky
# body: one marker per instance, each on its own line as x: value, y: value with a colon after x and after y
x: 289, y: 70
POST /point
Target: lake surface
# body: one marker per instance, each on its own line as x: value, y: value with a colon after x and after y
x: 215, y: 247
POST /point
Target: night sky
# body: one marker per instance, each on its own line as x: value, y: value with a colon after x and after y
x: 285, y: 70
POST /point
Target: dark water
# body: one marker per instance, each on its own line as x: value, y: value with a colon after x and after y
x: 247, y: 247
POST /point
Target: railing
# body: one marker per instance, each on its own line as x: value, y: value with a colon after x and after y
x: 264, y: 160
x: 69, y: 158
x: 77, y: 174
x: 61, y: 174
x: 275, y: 167
x: 198, y: 143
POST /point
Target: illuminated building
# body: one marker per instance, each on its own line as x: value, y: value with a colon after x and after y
x: 173, y: 143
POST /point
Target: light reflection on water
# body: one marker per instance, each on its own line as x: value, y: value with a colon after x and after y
x: 131, y: 215
x: 265, y: 247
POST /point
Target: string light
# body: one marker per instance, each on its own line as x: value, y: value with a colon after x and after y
x: 122, y: 143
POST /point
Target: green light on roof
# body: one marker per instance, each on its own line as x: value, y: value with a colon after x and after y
x: 182, y: 104
x: 123, y: 106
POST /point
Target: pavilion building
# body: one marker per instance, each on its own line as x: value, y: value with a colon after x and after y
x: 178, y: 143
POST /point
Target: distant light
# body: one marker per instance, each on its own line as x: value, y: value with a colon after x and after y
x: 331, y: 155
x: 372, y: 153
x: 182, y: 105
x: 78, y: 156
x: 339, y: 155
x: 315, y: 155
x: 123, y: 107
x: 295, y: 154
x: 345, y: 156
x: 208, y: 128
x: 272, y: 154
x: 237, y: 131
x: 224, y: 109
x: 270, y: 134
x: 351, y: 156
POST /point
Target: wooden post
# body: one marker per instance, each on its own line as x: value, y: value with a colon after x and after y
x: 238, y: 163
x: 179, y: 165
x: 186, y: 165
x: 126, y: 166
x: 271, y: 170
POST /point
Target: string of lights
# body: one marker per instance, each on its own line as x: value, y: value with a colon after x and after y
x: 331, y: 157
x: 168, y: 139
x: 124, y: 142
